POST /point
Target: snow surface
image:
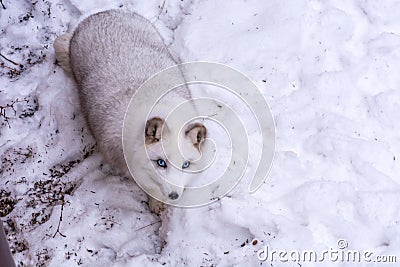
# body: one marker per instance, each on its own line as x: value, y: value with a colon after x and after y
x: 330, y: 73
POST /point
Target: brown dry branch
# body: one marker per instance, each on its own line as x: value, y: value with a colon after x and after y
x: 3, y: 109
x: 162, y: 7
x: 9, y: 60
x: 147, y: 225
x: 11, y: 69
x: 59, y: 221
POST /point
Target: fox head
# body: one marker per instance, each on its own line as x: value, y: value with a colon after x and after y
x: 174, y: 167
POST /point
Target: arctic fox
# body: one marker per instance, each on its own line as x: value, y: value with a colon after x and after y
x: 110, y: 54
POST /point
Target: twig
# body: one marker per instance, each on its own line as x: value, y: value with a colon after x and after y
x: 3, y: 112
x: 162, y: 7
x: 147, y: 225
x: 1, y: 2
x: 59, y: 221
x: 7, y: 67
x: 9, y: 60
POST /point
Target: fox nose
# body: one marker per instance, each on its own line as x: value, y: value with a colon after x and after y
x: 173, y: 195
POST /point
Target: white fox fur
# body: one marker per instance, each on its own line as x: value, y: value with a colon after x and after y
x: 110, y: 54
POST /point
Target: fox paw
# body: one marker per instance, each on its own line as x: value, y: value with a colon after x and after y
x: 156, y: 206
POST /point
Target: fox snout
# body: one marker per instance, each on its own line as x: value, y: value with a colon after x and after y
x: 173, y: 195
x: 172, y: 192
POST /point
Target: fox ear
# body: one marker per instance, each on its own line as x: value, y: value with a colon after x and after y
x: 196, y: 133
x: 153, y: 130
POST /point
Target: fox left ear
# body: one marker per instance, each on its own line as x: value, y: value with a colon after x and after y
x: 196, y: 133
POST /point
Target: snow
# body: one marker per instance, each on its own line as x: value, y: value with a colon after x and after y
x: 329, y: 71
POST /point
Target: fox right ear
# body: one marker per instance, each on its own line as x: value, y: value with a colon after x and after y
x: 153, y: 130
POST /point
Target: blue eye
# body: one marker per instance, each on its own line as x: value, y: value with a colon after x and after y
x: 161, y: 163
x: 185, y: 164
